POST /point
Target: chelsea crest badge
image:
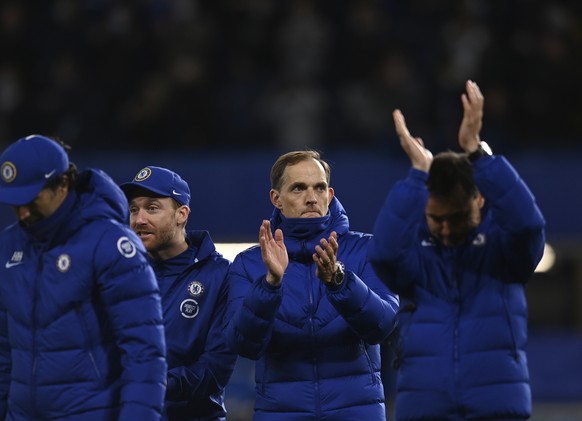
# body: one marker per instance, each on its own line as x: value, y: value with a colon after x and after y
x: 195, y: 288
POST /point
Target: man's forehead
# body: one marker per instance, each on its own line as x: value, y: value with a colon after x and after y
x: 306, y: 171
x: 434, y: 205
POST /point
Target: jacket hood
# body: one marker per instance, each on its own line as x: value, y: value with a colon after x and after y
x: 201, y: 241
x: 100, y: 198
x: 96, y: 196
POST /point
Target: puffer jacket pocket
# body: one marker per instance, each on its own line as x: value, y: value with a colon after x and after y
x: 88, y: 345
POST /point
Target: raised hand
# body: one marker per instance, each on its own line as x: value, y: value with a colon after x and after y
x: 274, y: 253
x: 472, y: 117
x: 325, y: 257
x: 420, y: 157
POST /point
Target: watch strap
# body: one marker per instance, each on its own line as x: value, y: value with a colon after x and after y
x: 482, y: 150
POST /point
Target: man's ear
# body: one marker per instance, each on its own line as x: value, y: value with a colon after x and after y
x: 480, y: 201
x: 65, y: 184
x: 275, y: 198
x: 183, y: 213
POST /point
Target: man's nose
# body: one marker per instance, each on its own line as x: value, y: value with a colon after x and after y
x: 445, y: 228
x: 139, y: 217
x: 311, y: 196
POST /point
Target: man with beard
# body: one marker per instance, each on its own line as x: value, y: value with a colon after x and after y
x: 191, y: 275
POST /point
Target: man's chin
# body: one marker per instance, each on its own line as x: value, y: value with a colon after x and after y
x: 310, y: 215
x: 451, y: 242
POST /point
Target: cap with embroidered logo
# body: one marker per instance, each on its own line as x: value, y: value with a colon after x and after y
x: 27, y: 165
x: 159, y: 181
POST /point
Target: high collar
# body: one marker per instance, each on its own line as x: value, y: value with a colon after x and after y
x: 200, y: 248
x: 48, y: 230
x: 303, y: 228
x: 303, y: 234
x: 177, y: 264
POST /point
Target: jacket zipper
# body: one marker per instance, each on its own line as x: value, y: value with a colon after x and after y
x: 457, y: 274
x: 308, y: 276
x: 35, y: 334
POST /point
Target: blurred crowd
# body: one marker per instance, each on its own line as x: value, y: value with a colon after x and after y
x: 249, y: 74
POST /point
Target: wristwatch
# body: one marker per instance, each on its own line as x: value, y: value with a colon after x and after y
x: 338, y: 276
x: 482, y: 150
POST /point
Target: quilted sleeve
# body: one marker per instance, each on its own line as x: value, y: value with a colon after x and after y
x: 395, y: 232
x: 129, y: 291
x: 252, y: 306
x: 515, y: 210
x: 368, y: 307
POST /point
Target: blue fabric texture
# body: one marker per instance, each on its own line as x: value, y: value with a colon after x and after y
x: 460, y: 351
x: 81, y: 333
x: 194, y: 292
x: 317, y: 350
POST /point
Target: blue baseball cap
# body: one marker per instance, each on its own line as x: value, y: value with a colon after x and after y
x: 27, y: 165
x: 160, y: 181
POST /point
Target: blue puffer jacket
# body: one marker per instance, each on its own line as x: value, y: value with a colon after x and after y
x: 463, y: 318
x: 194, y: 291
x: 317, y: 350
x: 81, y: 334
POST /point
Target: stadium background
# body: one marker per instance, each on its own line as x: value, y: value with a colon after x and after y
x: 217, y: 89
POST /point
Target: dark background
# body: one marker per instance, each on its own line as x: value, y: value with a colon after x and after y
x: 216, y: 90
x: 253, y: 74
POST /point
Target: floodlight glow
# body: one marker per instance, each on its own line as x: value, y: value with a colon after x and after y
x: 548, y: 259
x: 230, y: 250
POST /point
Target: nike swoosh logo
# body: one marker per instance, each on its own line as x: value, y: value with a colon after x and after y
x: 174, y: 192
x: 49, y: 174
x: 11, y: 264
x: 425, y: 243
